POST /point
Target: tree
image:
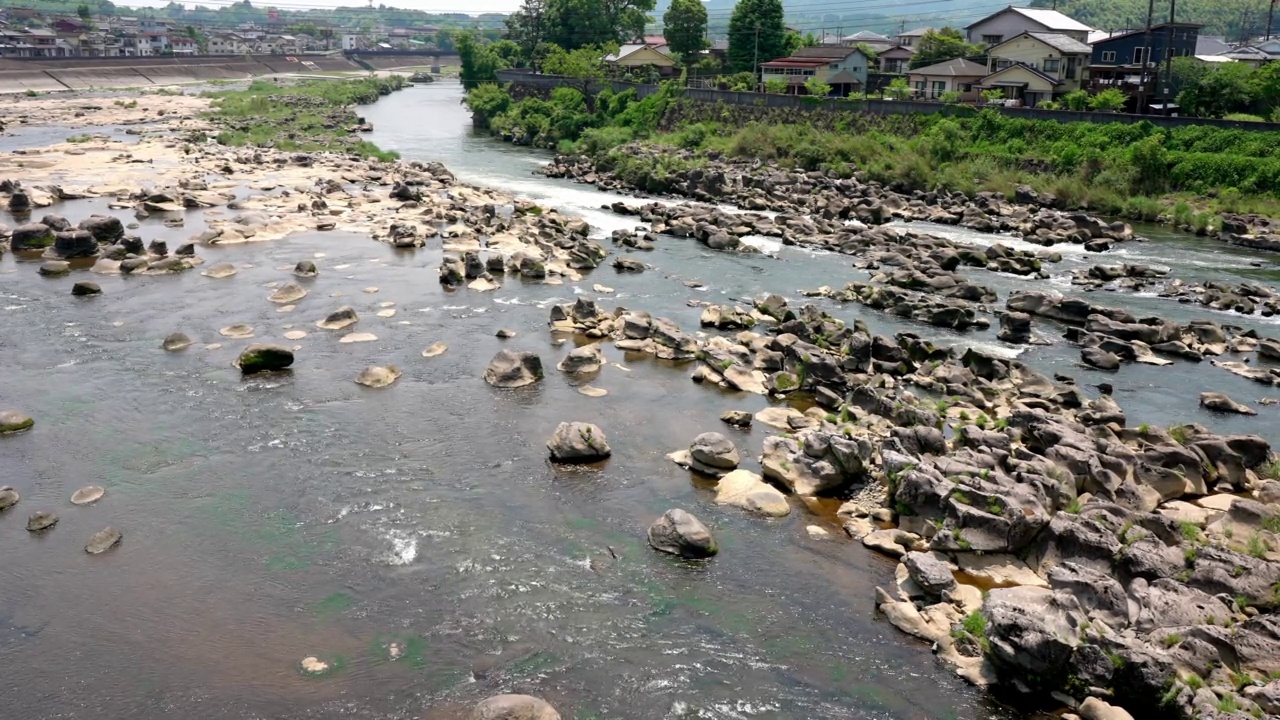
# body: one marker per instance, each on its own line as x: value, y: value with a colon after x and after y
x: 898, y: 89
x: 685, y: 28
x: 1075, y: 100
x: 756, y: 34
x: 583, y: 63
x: 777, y: 86
x: 480, y: 63
x: 937, y: 46
x: 84, y: 12
x: 525, y: 27
x: 993, y: 95
x: 572, y: 24
x: 1109, y: 100
x: 1220, y: 90
x: 817, y: 88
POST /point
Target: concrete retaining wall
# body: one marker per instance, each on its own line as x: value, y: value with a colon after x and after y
x: 19, y: 75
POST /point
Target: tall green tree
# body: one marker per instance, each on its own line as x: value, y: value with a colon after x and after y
x: 480, y: 63
x: 572, y: 24
x: 756, y: 34
x: 526, y: 27
x: 685, y: 28
x: 937, y: 46
x: 84, y: 12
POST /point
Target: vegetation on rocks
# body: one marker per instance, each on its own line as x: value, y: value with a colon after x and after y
x: 1137, y: 170
x: 309, y: 116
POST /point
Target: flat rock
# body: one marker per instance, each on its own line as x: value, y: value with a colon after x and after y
x: 358, y: 338
x: 87, y: 495
x: 513, y: 707
x: 12, y: 421
x: 238, y: 331
x: 1221, y: 502
x: 998, y: 570
x: 592, y: 392
x: 41, y: 520
x: 389, y: 312
x: 339, y: 319
x: 747, y: 490
x: 737, y: 418
x: 295, y: 334
x: 778, y: 417
x: 378, y: 376
x: 313, y: 666
x: 1219, y: 402
x: 219, y: 271
x: 288, y: 293
x: 103, y: 540
x: 434, y: 349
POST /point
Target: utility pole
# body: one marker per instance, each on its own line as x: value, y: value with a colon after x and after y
x: 1146, y: 59
x: 1168, y: 58
x: 755, y: 60
x: 1271, y: 11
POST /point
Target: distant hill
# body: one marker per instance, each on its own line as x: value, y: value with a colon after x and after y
x: 845, y: 18
x: 1238, y: 20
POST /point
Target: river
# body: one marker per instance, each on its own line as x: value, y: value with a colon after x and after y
x: 267, y: 520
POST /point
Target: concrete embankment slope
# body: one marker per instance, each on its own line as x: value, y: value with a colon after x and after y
x: 54, y: 74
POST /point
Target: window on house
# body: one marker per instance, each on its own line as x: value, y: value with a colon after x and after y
x: 1139, y: 55
x: 920, y: 86
x: 939, y: 87
x: 1051, y: 65
x: 1108, y: 56
x: 1001, y: 63
x: 992, y: 39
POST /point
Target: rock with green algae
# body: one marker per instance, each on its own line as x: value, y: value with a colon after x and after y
x: 263, y: 357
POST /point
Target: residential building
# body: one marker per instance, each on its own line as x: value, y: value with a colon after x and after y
x: 639, y: 55
x: 843, y: 68
x: 873, y: 41
x: 1034, y: 66
x: 1212, y: 45
x: 958, y: 75
x: 895, y: 60
x: 1012, y: 21
x: 1130, y: 61
x: 909, y: 38
x: 1249, y: 55
x: 183, y: 45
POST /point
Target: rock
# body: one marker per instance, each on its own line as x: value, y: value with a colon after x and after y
x: 103, y: 540
x: 894, y: 542
x: 338, y: 319
x: 1219, y: 402
x: 577, y: 442
x: 357, y: 338
x: 434, y: 349
x: 288, y: 293
x: 1099, y: 358
x: 74, y: 244
x: 295, y: 334
x: 105, y: 229
x: 512, y: 369
x: 586, y: 359
x: 505, y: 334
x: 930, y: 571
x: 41, y: 520
x: 713, y: 454
x: 82, y: 289
x: 262, y: 357
x: 305, y: 269
x: 239, y: 331
x: 513, y: 707
x: 626, y: 264
x: 12, y: 421
x: 87, y: 495
x: 378, y: 376
x: 592, y: 392
x: 1015, y: 327
x: 314, y: 666
x: 679, y: 533
x: 53, y: 268
x: 33, y: 236
x: 8, y: 498
x: 997, y: 570
x: 220, y: 271
x: 175, y: 342
x: 1094, y: 709
x: 747, y: 490
x: 737, y: 418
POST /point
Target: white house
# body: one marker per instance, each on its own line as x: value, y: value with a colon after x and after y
x: 1013, y: 21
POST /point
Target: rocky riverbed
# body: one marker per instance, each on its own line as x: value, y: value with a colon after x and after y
x: 1043, y: 540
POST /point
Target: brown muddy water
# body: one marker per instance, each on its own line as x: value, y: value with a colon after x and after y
x: 276, y: 518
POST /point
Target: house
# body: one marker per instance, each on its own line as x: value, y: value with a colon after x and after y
x: 1058, y: 63
x: 843, y: 68
x: 69, y: 25
x: 1249, y: 55
x: 1211, y: 45
x: 182, y: 45
x: 1270, y: 47
x: 895, y: 60
x: 909, y: 38
x: 1013, y: 21
x: 957, y: 75
x: 639, y: 55
x: 873, y: 41
x: 1129, y: 60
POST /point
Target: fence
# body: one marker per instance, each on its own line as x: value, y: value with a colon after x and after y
x: 872, y: 106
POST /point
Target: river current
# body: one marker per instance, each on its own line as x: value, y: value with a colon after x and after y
x: 267, y: 520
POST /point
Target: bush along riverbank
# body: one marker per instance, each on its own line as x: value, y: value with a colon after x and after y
x: 309, y: 116
x: 1188, y: 177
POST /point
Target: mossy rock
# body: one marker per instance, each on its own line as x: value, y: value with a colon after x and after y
x: 12, y: 421
x: 262, y: 357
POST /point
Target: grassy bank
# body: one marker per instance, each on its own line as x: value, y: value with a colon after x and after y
x: 311, y: 115
x: 1186, y: 175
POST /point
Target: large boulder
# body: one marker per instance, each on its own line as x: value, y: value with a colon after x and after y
x: 263, y: 357
x: 1032, y: 631
x: 747, y: 490
x: 578, y: 442
x: 679, y: 533
x: 75, y: 244
x: 930, y: 571
x: 586, y: 359
x: 816, y: 462
x: 713, y: 454
x: 513, y: 707
x: 512, y: 369
x: 105, y: 229
x: 14, y: 421
x: 32, y: 236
